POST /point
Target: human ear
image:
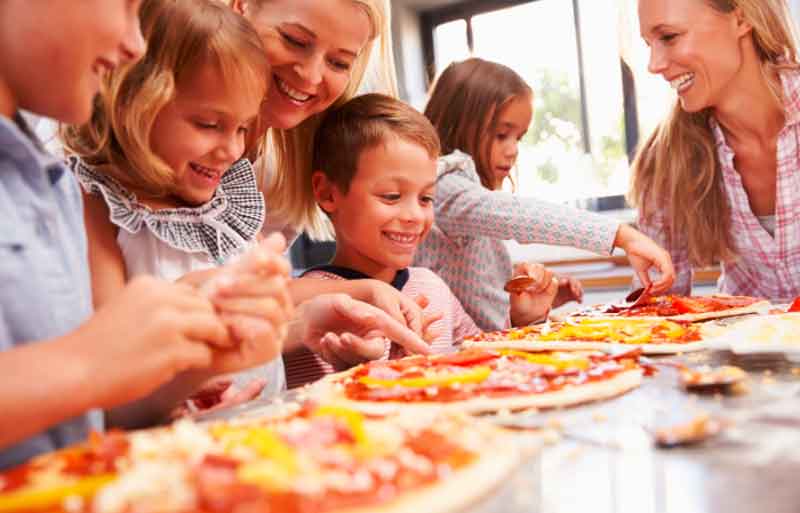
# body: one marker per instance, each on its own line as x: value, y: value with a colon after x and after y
x: 240, y: 6
x: 323, y: 192
x: 743, y: 27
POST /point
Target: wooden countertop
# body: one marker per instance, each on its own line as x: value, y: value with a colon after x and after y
x: 614, y: 272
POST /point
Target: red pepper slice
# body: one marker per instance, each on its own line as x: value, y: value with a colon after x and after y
x: 466, y: 357
x: 689, y: 305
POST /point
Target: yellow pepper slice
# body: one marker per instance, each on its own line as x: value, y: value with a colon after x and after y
x: 353, y: 419
x: 261, y: 440
x: 546, y: 359
x: 41, y: 498
x: 475, y: 375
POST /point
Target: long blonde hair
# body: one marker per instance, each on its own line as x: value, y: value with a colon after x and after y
x: 677, y: 168
x: 181, y: 35
x: 289, y: 151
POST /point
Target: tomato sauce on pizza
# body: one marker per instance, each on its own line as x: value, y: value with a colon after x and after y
x: 611, y: 330
x: 479, y: 372
x: 673, y: 305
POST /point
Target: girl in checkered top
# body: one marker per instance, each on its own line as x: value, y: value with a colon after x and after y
x: 481, y: 110
x: 167, y: 192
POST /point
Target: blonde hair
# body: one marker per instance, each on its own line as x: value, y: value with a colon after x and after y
x: 289, y: 191
x: 677, y: 168
x: 181, y: 35
x: 365, y: 122
x: 464, y: 106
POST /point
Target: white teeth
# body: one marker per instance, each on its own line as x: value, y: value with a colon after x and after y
x: 210, y: 173
x: 404, y: 239
x: 681, y: 82
x: 291, y: 92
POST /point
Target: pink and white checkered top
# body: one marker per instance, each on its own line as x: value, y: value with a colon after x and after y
x: 768, y: 266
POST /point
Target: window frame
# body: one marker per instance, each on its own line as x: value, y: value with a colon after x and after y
x: 467, y: 9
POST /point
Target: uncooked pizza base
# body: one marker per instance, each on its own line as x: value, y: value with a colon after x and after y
x: 488, y: 473
x: 588, y: 345
x: 329, y: 390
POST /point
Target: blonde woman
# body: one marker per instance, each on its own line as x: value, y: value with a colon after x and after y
x: 320, y: 52
x: 719, y: 179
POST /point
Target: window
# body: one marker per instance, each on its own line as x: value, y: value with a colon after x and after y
x: 569, y: 52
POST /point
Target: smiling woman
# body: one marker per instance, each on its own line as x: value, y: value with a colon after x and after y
x: 319, y: 51
x: 717, y: 179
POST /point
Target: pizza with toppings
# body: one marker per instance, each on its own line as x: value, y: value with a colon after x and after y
x: 317, y: 459
x: 653, y: 336
x: 481, y: 380
x: 681, y: 308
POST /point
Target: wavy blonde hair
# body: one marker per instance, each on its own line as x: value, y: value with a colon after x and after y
x: 677, y: 169
x: 289, y: 151
x: 181, y: 35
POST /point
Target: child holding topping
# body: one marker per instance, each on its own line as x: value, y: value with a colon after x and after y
x: 481, y: 111
x: 167, y: 192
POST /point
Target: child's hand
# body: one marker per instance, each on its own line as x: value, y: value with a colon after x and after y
x: 569, y: 289
x: 218, y: 394
x: 146, y: 335
x: 340, y: 314
x: 346, y: 350
x: 399, y: 306
x: 253, y: 301
x: 429, y: 333
x: 533, y: 304
x: 643, y: 254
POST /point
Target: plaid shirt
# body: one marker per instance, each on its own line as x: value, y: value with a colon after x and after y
x: 767, y: 266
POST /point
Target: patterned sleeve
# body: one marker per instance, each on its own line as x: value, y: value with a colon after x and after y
x: 656, y: 228
x: 466, y: 208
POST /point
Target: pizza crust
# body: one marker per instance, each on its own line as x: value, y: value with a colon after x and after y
x: 329, y: 391
x: 577, y: 345
x: 491, y: 469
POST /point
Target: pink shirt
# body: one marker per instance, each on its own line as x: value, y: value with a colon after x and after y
x: 465, y: 246
x: 303, y: 366
x: 768, y: 266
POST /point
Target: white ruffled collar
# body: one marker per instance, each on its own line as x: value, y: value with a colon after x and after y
x: 220, y: 228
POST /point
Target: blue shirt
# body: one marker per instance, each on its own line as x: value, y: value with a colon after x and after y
x: 44, y: 269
